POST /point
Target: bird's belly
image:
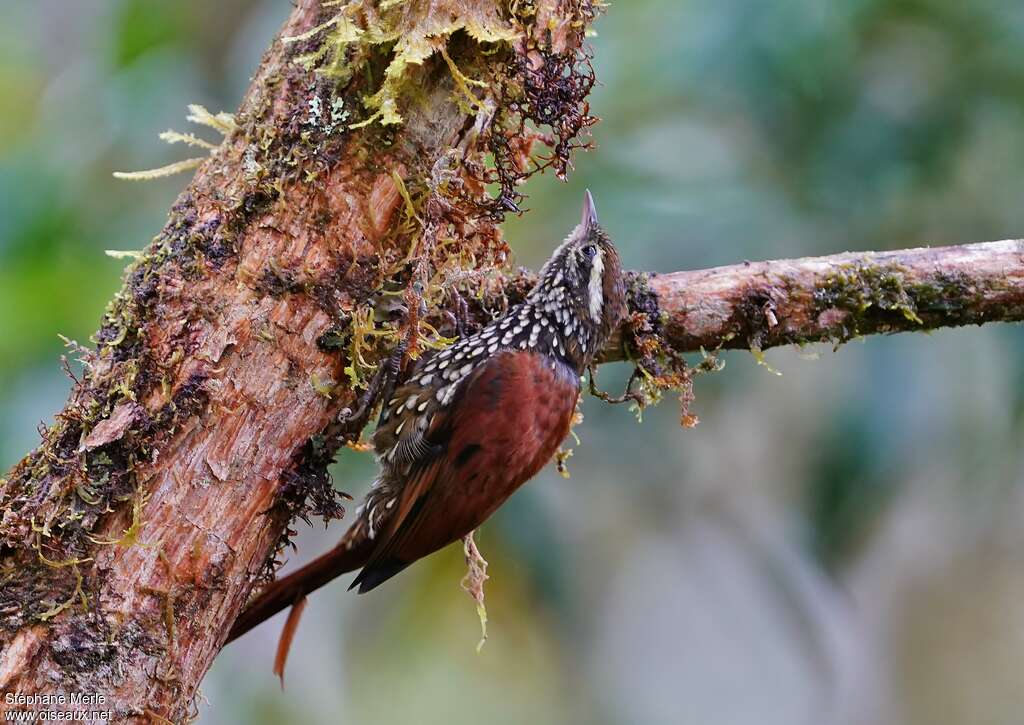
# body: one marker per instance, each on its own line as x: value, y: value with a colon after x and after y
x: 527, y: 412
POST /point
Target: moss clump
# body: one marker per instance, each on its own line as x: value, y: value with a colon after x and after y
x: 24, y: 600
x: 950, y: 294
x: 658, y: 368
x: 412, y: 31
x: 550, y: 96
x: 334, y: 339
x: 885, y: 297
x: 529, y: 89
x: 58, y: 494
x: 868, y: 291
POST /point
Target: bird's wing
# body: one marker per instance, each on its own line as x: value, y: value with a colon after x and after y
x: 503, y: 425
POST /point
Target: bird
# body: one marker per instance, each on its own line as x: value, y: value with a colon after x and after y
x: 473, y: 422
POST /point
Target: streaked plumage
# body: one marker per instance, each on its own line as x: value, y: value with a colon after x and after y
x: 475, y: 421
x: 472, y: 423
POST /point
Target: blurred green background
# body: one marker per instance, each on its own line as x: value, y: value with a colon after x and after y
x: 838, y: 544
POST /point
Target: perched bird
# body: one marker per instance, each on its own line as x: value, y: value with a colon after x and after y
x: 475, y: 421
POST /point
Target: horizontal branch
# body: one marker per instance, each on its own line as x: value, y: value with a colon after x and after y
x: 766, y: 304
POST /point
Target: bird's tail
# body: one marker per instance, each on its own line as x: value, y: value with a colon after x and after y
x: 350, y: 554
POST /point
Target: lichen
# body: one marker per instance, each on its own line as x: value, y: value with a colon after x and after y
x: 473, y: 583
x: 223, y: 123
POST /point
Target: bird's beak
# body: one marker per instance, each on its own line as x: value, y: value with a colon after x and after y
x: 589, y: 212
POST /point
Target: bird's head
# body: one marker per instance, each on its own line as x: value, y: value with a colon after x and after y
x: 584, y: 279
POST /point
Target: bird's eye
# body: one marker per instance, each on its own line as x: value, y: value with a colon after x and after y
x: 589, y: 251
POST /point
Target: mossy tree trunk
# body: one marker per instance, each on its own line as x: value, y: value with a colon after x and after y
x: 206, y: 417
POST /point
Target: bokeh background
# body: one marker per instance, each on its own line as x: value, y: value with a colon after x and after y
x: 838, y: 544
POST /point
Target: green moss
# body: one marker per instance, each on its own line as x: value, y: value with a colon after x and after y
x: 410, y: 32
x: 324, y: 388
x: 868, y: 292
x: 951, y: 294
x: 881, y: 297
x: 334, y: 339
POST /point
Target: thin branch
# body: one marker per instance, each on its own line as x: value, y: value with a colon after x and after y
x: 835, y: 298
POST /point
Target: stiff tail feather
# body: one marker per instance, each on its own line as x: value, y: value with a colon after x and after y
x: 292, y: 589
